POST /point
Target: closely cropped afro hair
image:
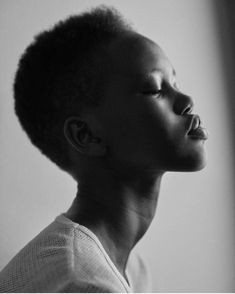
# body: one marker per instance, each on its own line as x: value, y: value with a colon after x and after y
x: 58, y: 75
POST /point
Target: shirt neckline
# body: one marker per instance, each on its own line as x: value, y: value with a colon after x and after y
x: 63, y: 219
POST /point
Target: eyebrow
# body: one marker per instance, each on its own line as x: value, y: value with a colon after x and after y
x: 159, y: 72
x: 156, y: 70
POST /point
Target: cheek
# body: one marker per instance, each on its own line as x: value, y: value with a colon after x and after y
x: 140, y: 134
x: 158, y: 122
x: 124, y: 133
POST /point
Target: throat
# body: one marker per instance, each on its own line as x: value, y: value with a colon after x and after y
x: 119, y: 217
x: 118, y: 228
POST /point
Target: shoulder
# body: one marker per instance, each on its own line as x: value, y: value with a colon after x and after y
x: 42, y: 264
x: 62, y: 258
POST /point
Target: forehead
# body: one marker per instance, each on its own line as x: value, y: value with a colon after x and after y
x: 135, y: 56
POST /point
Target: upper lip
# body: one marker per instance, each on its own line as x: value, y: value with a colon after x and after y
x: 194, y: 123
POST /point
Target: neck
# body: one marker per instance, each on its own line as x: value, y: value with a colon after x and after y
x: 118, y: 212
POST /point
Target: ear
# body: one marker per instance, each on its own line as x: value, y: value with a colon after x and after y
x: 79, y: 135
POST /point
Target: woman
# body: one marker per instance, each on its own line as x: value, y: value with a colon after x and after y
x: 102, y: 102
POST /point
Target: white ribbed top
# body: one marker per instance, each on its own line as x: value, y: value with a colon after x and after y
x: 68, y: 257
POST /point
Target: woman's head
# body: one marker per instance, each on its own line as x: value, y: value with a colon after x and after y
x: 112, y: 92
x: 145, y: 120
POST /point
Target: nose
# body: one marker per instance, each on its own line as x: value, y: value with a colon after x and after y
x: 183, y: 104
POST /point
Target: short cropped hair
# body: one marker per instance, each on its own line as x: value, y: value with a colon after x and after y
x: 58, y: 75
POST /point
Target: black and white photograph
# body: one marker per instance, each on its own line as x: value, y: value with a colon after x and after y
x: 117, y: 139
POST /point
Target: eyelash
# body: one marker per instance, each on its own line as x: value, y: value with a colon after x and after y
x: 156, y: 93
x: 159, y: 93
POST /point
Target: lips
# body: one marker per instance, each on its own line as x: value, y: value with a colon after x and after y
x: 196, y: 131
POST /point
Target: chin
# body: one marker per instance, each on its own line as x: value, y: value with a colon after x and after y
x: 197, y: 167
x: 195, y: 161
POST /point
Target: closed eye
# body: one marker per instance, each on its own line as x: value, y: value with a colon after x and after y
x: 155, y: 93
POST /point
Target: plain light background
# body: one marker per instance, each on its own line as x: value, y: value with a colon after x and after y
x: 190, y: 246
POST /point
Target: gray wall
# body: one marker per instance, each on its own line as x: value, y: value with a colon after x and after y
x: 190, y: 245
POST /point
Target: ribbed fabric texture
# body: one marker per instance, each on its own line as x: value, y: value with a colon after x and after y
x: 68, y: 257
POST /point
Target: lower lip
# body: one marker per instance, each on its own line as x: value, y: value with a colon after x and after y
x: 199, y: 133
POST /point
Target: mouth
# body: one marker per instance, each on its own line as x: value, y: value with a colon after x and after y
x: 196, y: 131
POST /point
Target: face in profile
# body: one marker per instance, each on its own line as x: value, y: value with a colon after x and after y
x: 147, y: 121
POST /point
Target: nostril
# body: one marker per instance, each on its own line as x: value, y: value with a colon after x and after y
x: 183, y: 104
x: 187, y: 110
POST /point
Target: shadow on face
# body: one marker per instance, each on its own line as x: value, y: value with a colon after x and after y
x: 145, y: 123
x: 145, y: 116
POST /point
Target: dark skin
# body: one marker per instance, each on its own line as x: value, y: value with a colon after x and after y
x: 121, y: 149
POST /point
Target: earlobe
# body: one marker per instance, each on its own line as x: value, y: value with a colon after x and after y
x: 79, y: 135
x: 96, y: 148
